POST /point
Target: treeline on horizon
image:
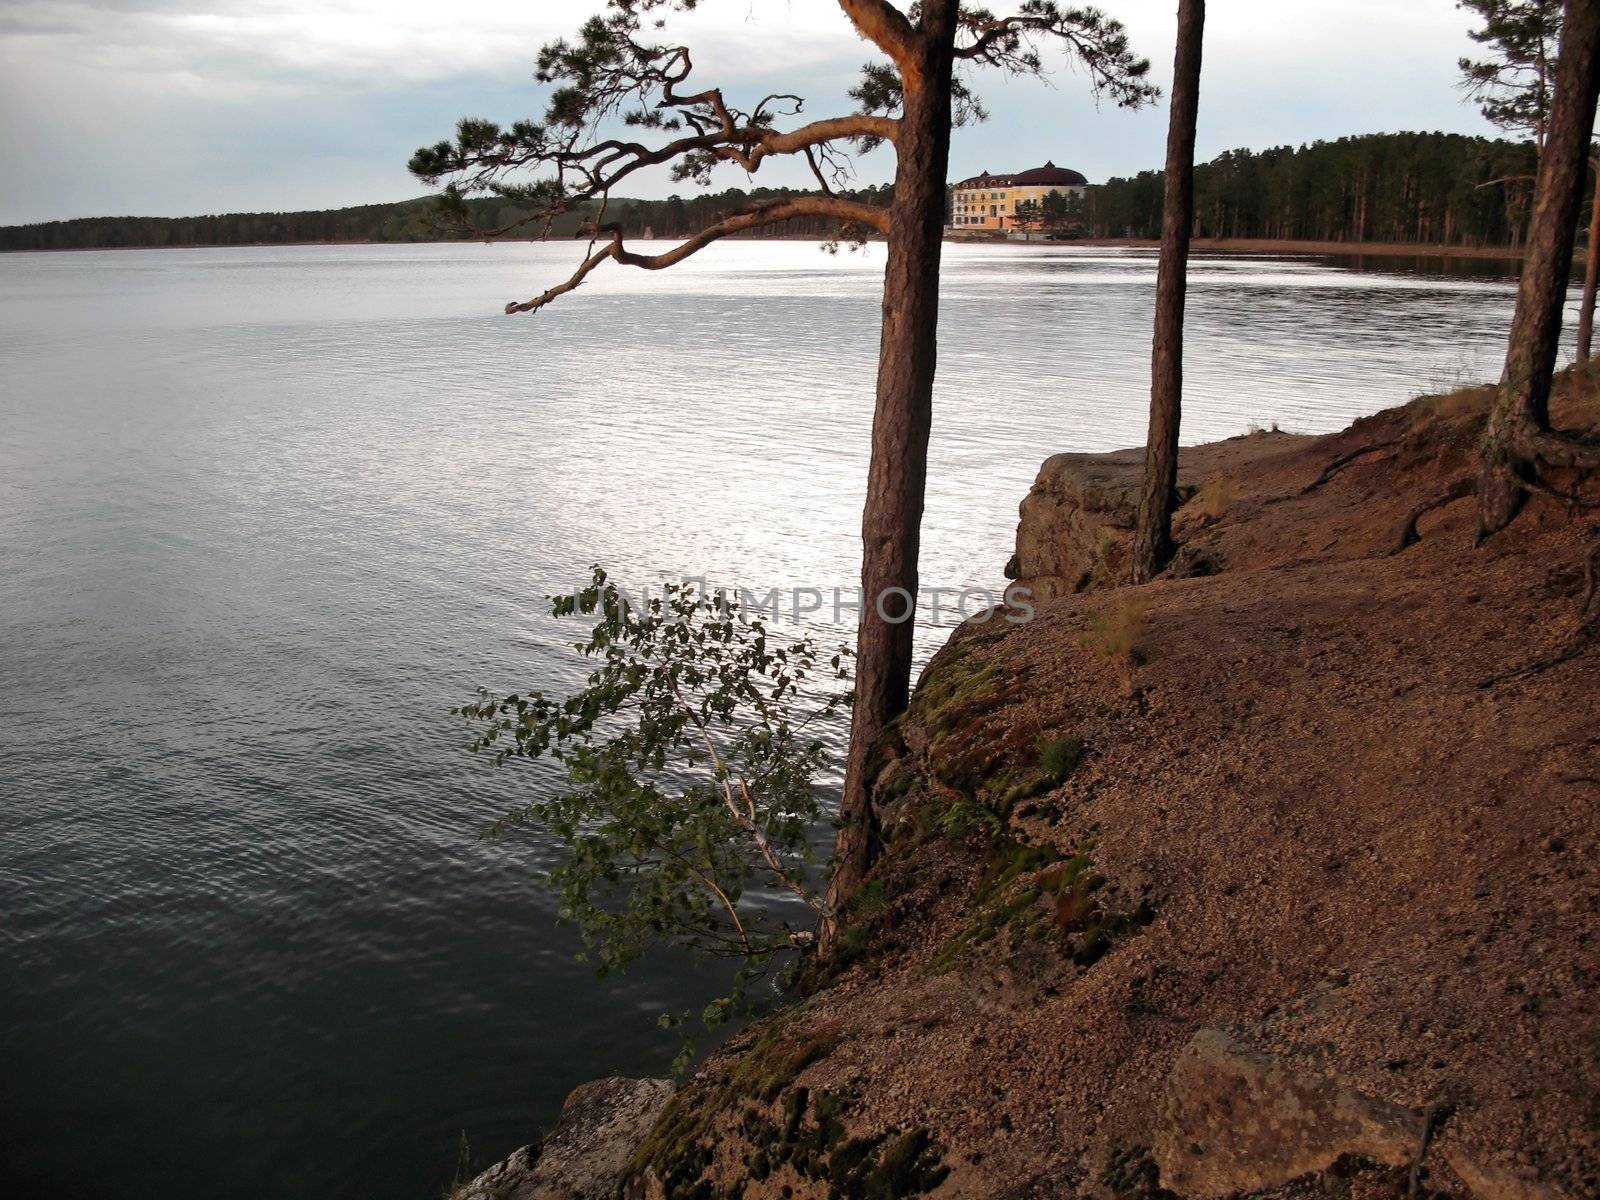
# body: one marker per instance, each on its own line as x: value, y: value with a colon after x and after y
x: 1415, y: 188
x: 407, y: 221
x: 1420, y: 188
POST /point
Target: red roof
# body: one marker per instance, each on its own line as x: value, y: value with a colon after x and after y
x: 1048, y: 175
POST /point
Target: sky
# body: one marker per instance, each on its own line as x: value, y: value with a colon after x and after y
x: 174, y: 107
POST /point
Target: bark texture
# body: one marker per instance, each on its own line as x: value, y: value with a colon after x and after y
x: 1152, y: 543
x: 1591, y: 275
x: 1521, y: 410
x: 897, y: 475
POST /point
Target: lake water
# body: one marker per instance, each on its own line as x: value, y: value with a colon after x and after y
x: 266, y: 513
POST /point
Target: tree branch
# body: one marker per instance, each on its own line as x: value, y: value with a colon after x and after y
x: 611, y: 73
x: 745, y: 946
x: 747, y: 819
x: 886, y: 27
x: 756, y: 216
x: 1095, y: 40
x: 817, y: 133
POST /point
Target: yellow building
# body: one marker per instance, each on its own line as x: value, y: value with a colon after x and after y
x: 990, y: 201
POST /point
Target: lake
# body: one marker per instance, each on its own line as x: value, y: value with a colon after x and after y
x: 266, y: 513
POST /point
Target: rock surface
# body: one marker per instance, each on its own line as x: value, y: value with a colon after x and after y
x: 602, y: 1124
x: 1077, y: 521
x: 1236, y: 1121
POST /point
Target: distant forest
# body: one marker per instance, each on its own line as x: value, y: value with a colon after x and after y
x: 1426, y: 188
x: 404, y: 222
x: 409, y: 221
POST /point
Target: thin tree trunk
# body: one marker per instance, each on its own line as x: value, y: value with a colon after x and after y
x: 897, y: 474
x: 1522, y: 405
x: 1591, y: 273
x: 1152, y: 544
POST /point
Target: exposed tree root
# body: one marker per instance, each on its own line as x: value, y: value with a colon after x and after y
x: 1582, y: 638
x: 1526, y: 456
x: 1550, y: 448
x: 1343, y: 461
x: 1463, y: 487
x: 1589, y: 610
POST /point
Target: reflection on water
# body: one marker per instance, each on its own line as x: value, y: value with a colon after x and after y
x: 266, y: 513
x: 1444, y: 266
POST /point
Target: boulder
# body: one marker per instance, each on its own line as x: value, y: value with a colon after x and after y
x: 1077, y: 521
x: 1075, y: 531
x: 1239, y: 1121
x: 602, y: 1124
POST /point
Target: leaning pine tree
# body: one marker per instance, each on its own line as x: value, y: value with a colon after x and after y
x: 616, y: 73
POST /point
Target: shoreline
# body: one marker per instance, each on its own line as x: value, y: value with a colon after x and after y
x: 1335, y: 249
x: 1262, y: 246
x: 1279, y: 246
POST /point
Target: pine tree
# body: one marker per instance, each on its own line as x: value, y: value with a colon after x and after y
x: 1513, y: 85
x: 1519, y: 444
x: 618, y: 71
x: 1152, y: 542
x: 1514, y: 89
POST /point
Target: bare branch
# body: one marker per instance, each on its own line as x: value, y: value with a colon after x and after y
x: 755, y: 216
x: 745, y: 946
x: 817, y: 133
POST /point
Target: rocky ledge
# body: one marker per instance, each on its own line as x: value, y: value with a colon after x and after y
x: 1279, y: 880
x: 586, y: 1158
x: 1077, y: 521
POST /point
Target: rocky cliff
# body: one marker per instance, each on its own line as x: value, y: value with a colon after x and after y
x: 1277, y: 877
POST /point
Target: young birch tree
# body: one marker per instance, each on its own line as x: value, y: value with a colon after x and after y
x: 1152, y: 542
x: 623, y: 70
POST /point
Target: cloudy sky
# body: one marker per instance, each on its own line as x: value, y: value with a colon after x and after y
x: 167, y: 107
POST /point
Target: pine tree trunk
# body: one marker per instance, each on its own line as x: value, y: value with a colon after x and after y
x: 1522, y: 405
x: 1591, y: 275
x: 897, y: 475
x: 1152, y: 543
